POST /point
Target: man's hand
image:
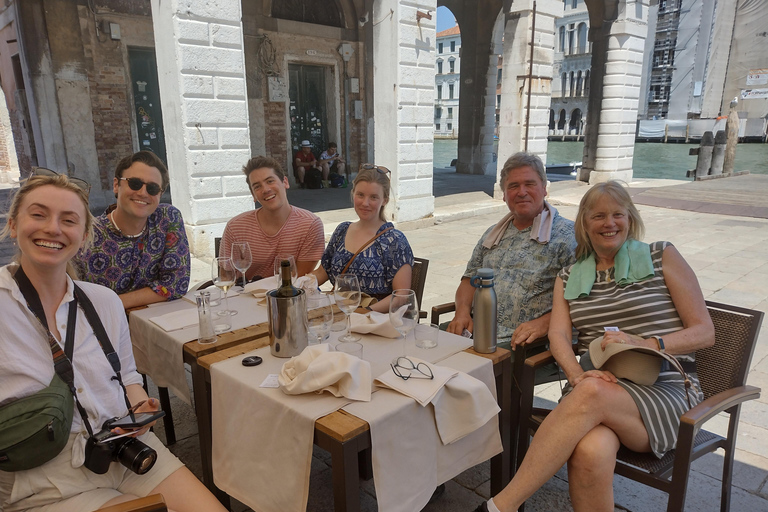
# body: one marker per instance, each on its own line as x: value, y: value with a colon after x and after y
x: 459, y: 323
x: 150, y: 405
x: 528, y: 332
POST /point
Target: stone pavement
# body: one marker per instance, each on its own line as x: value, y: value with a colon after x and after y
x: 730, y: 257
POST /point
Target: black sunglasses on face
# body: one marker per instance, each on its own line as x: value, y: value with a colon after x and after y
x: 135, y: 183
x: 81, y: 184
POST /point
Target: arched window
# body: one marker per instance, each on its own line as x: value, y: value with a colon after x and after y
x: 586, y: 83
x: 561, y: 121
x: 309, y: 11
x: 562, y: 39
x: 572, y: 85
x: 579, y: 84
x: 574, y: 127
x: 564, y: 85
x: 551, y: 119
x: 582, y: 37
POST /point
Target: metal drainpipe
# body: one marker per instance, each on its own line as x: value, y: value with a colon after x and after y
x: 346, y: 122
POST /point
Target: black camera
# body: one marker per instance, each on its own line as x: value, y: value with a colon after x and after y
x: 101, y: 449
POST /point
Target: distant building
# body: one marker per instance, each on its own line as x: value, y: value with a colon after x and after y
x: 570, y: 77
x: 447, y: 70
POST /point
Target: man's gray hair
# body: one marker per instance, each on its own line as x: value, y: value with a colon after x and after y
x: 523, y: 159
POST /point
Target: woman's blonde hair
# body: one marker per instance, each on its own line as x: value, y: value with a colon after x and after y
x: 374, y: 174
x: 60, y: 181
x: 616, y: 190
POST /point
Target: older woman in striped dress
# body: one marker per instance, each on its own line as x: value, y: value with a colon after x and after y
x: 651, y: 295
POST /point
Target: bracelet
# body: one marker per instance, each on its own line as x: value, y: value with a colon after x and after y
x: 660, y: 341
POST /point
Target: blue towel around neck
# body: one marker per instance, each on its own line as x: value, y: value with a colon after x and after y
x: 633, y: 263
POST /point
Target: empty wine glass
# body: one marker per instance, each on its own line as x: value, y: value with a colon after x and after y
x: 319, y: 317
x: 403, y: 313
x: 294, y: 271
x: 347, y: 294
x: 241, y: 257
x: 223, y: 275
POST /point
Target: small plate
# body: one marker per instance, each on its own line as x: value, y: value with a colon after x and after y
x: 259, y: 293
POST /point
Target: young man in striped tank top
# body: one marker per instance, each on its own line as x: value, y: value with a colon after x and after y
x: 276, y: 228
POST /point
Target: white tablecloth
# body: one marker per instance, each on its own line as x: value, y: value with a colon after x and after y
x: 262, y: 438
x: 160, y: 354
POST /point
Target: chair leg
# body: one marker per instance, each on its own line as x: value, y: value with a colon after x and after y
x: 165, y: 404
x: 725, y: 492
x: 681, y: 469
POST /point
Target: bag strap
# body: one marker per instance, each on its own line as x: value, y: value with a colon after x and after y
x: 365, y: 245
x: 677, y: 366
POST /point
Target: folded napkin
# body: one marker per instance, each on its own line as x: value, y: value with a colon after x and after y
x: 421, y: 390
x: 268, y: 283
x: 462, y: 406
x: 541, y: 230
x: 632, y: 264
x: 373, y: 323
x: 176, y: 320
x: 317, y: 369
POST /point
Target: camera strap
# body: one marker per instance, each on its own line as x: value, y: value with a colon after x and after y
x: 62, y: 359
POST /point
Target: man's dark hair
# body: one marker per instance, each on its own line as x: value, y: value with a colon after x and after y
x: 258, y: 162
x: 147, y: 158
x: 332, y: 145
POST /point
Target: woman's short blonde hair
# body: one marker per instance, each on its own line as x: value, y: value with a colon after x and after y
x: 374, y: 174
x: 617, y: 191
x: 60, y: 181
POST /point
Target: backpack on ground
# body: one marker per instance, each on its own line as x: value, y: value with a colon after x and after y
x: 314, y: 179
x: 336, y: 180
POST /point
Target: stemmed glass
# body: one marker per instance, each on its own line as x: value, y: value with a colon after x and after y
x: 241, y: 257
x: 319, y: 317
x: 347, y: 294
x: 403, y: 313
x: 223, y: 274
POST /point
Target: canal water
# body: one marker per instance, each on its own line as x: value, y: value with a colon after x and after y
x: 652, y: 159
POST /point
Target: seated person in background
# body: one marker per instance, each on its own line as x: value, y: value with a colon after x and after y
x: 277, y: 228
x: 303, y: 162
x: 381, y: 265
x: 50, y: 221
x: 140, y: 247
x: 330, y: 160
x: 646, y: 291
x: 526, y: 250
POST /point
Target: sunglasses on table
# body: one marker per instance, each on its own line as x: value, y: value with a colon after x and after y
x: 81, y: 184
x: 406, y: 369
x: 380, y: 169
x: 135, y: 183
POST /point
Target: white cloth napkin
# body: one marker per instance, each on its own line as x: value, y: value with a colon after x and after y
x: 317, y: 369
x: 373, y: 323
x: 176, y: 320
x: 462, y: 406
x: 268, y: 283
x: 421, y: 390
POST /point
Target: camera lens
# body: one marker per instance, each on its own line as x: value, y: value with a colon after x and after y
x: 135, y: 455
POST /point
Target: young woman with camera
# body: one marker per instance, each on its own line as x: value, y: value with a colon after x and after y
x: 49, y: 317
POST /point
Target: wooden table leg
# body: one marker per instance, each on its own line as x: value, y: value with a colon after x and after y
x: 165, y: 404
x: 501, y: 464
x: 202, y: 391
x: 346, y: 486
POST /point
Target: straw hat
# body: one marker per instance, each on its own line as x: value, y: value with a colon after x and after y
x: 306, y: 144
x: 641, y: 365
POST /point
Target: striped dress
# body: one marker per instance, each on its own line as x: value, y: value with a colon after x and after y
x: 644, y: 308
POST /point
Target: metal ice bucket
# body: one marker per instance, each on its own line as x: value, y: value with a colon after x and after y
x: 287, y: 324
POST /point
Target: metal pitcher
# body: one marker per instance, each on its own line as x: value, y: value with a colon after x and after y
x: 287, y: 324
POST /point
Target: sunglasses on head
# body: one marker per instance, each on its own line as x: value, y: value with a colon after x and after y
x: 81, y: 184
x: 382, y: 170
x: 135, y: 183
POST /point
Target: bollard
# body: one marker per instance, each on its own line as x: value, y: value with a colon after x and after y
x: 704, y: 161
x: 732, y: 134
x: 718, y: 153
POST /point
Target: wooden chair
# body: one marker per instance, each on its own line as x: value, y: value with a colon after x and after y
x: 418, y: 280
x: 722, y: 371
x: 152, y: 503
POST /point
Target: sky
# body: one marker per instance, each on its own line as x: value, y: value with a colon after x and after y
x: 445, y: 19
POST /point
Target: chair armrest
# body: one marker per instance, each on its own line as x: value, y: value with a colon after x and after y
x: 151, y: 503
x: 442, y: 309
x: 719, y: 403
x: 540, y: 359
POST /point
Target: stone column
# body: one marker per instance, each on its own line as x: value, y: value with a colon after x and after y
x: 403, y: 103
x: 200, y: 60
x: 617, y: 65
x: 514, y: 85
x: 477, y: 107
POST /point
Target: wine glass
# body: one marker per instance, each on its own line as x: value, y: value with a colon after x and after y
x: 294, y: 271
x: 403, y: 313
x: 319, y: 317
x: 241, y: 257
x: 347, y: 294
x: 223, y: 274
